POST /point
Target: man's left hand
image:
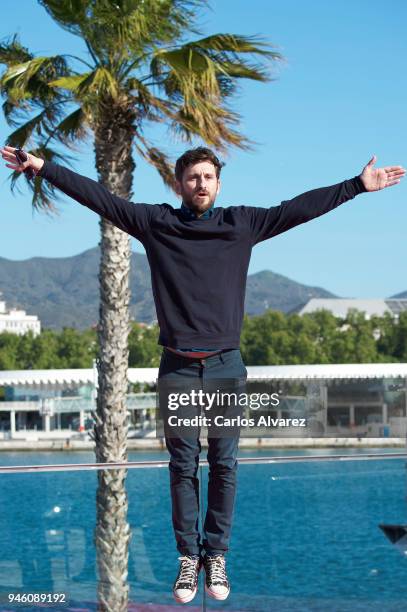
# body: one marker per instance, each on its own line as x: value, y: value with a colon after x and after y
x: 375, y: 179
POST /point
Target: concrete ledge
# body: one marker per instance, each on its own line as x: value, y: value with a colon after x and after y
x: 254, y: 443
x: 322, y: 442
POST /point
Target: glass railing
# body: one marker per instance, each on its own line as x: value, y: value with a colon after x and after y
x: 306, y: 533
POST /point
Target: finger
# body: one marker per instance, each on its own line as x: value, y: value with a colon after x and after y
x: 392, y: 183
x: 393, y: 168
x: 396, y: 174
x: 9, y: 156
x: 372, y: 161
x: 14, y: 167
x: 7, y: 151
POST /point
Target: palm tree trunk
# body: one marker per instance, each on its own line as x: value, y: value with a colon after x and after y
x: 114, y: 163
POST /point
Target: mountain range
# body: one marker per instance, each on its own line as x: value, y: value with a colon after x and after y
x: 64, y: 292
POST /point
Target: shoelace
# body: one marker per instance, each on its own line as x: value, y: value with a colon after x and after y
x: 217, y: 569
x: 187, y: 570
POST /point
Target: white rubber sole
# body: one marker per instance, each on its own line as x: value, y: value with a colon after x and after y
x: 185, y: 599
x: 215, y: 596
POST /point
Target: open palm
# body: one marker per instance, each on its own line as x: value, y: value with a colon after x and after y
x: 375, y: 179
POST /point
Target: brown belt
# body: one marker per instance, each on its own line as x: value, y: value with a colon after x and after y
x: 194, y: 354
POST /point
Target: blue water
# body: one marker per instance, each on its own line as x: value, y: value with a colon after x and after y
x: 305, y: 535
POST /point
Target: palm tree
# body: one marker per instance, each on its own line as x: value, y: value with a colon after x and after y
x: 140, y: 68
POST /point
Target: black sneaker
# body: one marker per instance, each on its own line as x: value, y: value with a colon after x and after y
x: 216, y: 582
x: 186, y: 584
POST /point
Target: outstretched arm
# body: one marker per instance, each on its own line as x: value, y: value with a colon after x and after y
x: 131, y: 218
x: 268, y: 222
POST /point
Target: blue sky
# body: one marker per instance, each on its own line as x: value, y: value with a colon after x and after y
x: 339, y: 97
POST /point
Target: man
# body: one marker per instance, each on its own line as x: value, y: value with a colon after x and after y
x: 199, y: 257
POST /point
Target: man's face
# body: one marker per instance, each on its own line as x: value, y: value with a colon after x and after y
x: 199, y: 186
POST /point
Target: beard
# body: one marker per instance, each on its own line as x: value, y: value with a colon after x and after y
x: 198, y: 204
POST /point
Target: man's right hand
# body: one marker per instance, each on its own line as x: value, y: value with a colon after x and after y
x: 7, y: 153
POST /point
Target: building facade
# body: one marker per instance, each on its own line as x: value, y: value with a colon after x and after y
x: 340, y: 307
x: 337, y: 401
x: 16, y: 321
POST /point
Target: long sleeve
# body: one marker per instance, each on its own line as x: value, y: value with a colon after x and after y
x: 268, y: 222
x: 131, y: 218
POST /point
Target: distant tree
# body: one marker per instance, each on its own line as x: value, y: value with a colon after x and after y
x: 39, y: 352
x: 9, y: 344
x: 274, y: 338
x: 392, y: 336
x: 144, y: 352
x: 50, y: 349
x: 269, y: 339
x: 355, y: 343
x: 76, y: 349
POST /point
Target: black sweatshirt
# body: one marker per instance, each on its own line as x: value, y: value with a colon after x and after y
x: 199, y: 266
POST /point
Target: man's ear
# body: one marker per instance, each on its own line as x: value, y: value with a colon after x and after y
x: 218, y: 189
x: 177, y: 187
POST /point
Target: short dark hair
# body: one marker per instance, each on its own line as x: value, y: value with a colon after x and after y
x: 193, y: 156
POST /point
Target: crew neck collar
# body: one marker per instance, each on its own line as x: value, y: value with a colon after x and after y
x: 187, y: 213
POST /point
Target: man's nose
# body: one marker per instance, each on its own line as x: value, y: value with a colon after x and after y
x: 201, y: 181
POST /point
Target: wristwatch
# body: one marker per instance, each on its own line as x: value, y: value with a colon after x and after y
x: 22, y: 157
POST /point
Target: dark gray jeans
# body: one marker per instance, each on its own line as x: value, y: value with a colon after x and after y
x: 184, y: 457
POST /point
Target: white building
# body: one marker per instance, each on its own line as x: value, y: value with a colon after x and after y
x: 341, y: 306
x: 17, y: 321
x: 340, y: 401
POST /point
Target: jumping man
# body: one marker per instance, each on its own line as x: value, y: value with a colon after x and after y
x: 199, y: 257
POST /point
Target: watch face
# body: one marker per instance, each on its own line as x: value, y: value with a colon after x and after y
x: 21, y: 155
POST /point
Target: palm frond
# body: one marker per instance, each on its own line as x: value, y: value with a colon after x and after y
x: 235, y: 43
x: 241, y: 70
x: 70, y: 82
x: 26, y: 85
x: 12, y: 52
x: 103, y: 83
x: 94, y: 91
x: 209, y: 62
x: 70, y: 14
x: 24, y: 133
x: 10, y: 111
x: 96, y: 85
x: 21, y: 74
x: 71, y: 129
x: 200, y: 75
x: 212, y: 123
x: 186, y: 74
x: 158, y: 159
x: 148, y: 105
